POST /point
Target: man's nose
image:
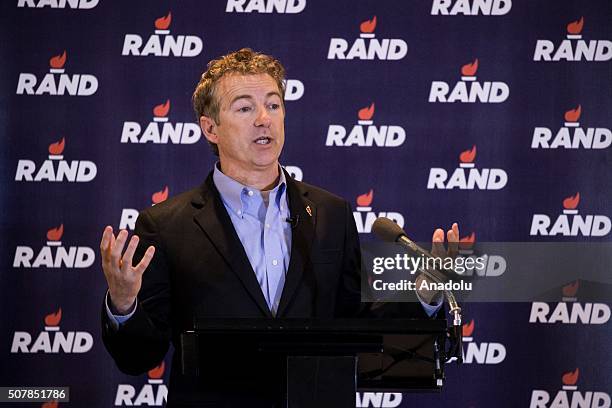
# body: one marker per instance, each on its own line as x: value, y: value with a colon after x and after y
x: 263, y: 117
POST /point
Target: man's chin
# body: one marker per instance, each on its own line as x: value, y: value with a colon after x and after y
x: 262, y: 165
x: 266, y: 157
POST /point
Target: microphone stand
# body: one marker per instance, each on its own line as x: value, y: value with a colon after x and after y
x: 455, y: 333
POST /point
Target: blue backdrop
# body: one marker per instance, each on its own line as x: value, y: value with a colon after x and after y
x: 492, y: 113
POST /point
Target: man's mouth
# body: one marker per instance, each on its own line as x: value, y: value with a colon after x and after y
x: 263, y: 140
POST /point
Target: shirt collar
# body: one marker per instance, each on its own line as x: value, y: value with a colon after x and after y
x: 232, y: 191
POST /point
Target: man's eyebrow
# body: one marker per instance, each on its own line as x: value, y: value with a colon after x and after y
x: 246, y: 96
x: 241, y: 97
x: 272, y: 94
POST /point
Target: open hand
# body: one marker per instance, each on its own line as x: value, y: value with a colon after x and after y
x: 124, y: 280
x: 452, y: 236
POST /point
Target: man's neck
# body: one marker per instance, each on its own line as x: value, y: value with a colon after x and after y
x: 265, y: 179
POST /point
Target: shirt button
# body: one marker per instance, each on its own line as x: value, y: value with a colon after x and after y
x: 275, y: 262
x: 250, y: 193
x: 267, y: 225
x: 239, y: 212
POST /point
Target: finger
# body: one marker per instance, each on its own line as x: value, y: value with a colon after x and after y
x: 105, y: 243
x: 105, y: 237
x: 126, y: 261
x: 437, y: 246
x: 112, y: 242
x: 146, y: 259
x: 453, y: 242
x: 117, y: 248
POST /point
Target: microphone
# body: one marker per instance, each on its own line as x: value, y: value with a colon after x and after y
x: 293, y: 221
x: 388, y: 231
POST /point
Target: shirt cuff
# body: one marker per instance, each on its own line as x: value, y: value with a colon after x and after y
x: 431, y: 309
x: 434, y: 305
x: 117, y: 320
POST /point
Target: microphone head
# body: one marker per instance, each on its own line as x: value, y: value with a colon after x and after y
x: 387, y: 230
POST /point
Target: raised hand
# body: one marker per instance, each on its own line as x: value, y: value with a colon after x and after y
x: 452, y: 236
x: 124, y: 280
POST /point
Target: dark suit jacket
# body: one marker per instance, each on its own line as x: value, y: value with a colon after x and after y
x: 200, y: 269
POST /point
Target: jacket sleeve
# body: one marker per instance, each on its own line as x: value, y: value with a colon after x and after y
x: 141, y: 342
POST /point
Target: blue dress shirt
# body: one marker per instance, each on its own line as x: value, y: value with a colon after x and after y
x: 262, y: 226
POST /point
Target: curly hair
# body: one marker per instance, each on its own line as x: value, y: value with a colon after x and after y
x: 245, y: 62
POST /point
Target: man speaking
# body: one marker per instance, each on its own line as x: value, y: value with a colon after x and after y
x: 250, y: 242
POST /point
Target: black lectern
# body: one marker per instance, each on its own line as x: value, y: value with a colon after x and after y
x: 327, y: 360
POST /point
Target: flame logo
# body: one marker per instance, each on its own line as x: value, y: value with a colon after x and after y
x: 58, y: 61
x: 57, y: 147
x: 573, y: 115
x: 158, y: 371
x: 163, y: 23
x: 467, y: 241
x: 571, y: 377
x: 571, y: 289
x: 368, y: 26
x: 468, y: 328
x: 162, y: 110
x: 470, y: 69
x: 468, y: 156
x: 366, y: 113
x: 53, y: 319
x: 55, y: 234
x: 364, y: 200
x: 49, y: 404
x: 571, y: 202
x: 575, y: 27
x: 160, y: 196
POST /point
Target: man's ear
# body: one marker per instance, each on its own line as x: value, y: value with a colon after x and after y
x: 209, y: 128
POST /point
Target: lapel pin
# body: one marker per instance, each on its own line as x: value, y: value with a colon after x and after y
x: 309, y: 211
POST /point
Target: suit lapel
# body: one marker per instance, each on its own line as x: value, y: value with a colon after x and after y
x: 301, y: 240
x: 214, y: 221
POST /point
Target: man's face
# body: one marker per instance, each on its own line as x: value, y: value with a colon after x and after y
x: 251, y: 130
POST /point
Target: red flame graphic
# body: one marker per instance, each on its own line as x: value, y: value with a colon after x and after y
x: 573, y: 115
x: 162, y: 110
x: 53, y: 319
x: 468, y: 329
x: 470, y: 69
x: 467, y: 242
x: 571, y: 202
x: 163, y: 23
x: 49, y: 404
x: 575, y: 27
x: 364, y: 200
x: 158, y: 371
x: 368, y: 26
x: 366, y: 113
x: 58, y: 61
x: 55, y: 234
x: 57, y: 147
x: 468, y: 156
x: 571, y: 289
x: 160, y: 196
x: 571, y: 378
